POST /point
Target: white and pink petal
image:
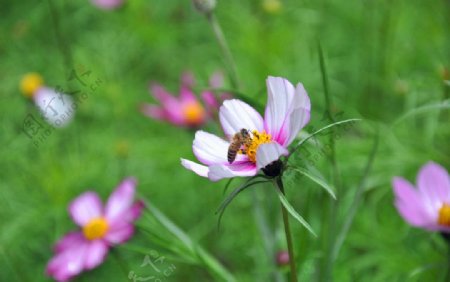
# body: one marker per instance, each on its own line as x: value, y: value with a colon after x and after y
x: 434, y: 184
x: 96, y: 252
x: 65, y: 265
x: 199, y: 169
x: 235, y: 115
x: 120, y: 200
x: 71, y: 239
x: 85, y: 207
x: 287, y: 110
x: 268, y: 153
x: 210, y: 149
x: 119, y: 234
x: 237, y: 169
x: 410, y: 204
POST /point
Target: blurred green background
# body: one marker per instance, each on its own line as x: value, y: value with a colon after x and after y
x: 386, y: 62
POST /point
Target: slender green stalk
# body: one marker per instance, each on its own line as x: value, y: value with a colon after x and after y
x: 266, y: 234
x: 63, y: 46
x: 228, y: 57
x: 334, y: 204
x: 354, y: 206
x: 447, y: 276
x: 287, y: 231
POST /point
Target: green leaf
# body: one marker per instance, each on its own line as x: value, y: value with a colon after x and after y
x: 208, y: 260
x: 427, y: 108
x: 317, y: 179
x: 233, y: 194
x: 294, y: 213
x: 323, y: 129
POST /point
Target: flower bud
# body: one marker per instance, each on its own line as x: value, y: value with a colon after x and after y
x: 282, y: 258
x: 204, y: 6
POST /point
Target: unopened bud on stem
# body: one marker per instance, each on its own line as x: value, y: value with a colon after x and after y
x: 204, y: 6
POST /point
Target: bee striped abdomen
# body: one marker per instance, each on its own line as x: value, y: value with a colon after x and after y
x: 231, y: 155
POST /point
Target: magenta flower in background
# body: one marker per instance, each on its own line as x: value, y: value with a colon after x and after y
x: 185, y: 110
x: 101, y: 228
x: 107, y: 4
x: 287, y: 112
x: 428, y: 206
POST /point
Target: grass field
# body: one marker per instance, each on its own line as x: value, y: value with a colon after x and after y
x: 385, y: 62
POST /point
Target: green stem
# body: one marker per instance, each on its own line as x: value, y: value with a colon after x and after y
x: 228, y: 57
x: 287, y: 231
x: 354, y: 206
x: 447, y: 276
x: 334, y: 205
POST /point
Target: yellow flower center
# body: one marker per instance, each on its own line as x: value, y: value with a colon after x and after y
x: 444, y: 215
x: 30, y: 83
x: 252, y: 145
x: 96, y: 228
x: 194, y: 113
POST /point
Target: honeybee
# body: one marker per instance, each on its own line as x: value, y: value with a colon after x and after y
x: 239, y: 139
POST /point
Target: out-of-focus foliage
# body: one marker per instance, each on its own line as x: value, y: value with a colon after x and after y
x: 384, y: 59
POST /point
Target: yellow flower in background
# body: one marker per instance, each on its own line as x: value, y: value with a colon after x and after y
x: 30, y: 83
x: 272, y: 6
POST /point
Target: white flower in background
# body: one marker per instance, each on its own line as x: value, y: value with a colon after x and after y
x: 58, y: 109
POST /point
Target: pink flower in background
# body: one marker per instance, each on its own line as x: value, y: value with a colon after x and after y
x: 428, y: 206
x: 107, y: 4
x: 185, y: 110
x: 287, y: 112
x: 101, y: 228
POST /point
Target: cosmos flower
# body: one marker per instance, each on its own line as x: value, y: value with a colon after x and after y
x: 185, y: 110
x: 287, y: 112
x: 58, y: 109
x: 101, y: 228
x: 428, y: 206
x: 107, y: 4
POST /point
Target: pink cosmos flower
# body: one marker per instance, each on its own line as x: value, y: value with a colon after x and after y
x: 107, y: 4
x: 428, y: 206
x: 287, y: 112
x: 185, y: 110
x: 101, y: 228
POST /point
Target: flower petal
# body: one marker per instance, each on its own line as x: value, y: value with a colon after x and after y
x: 235, y: 115
x: 67, y: 264
x: 195, y: 167
x: 119, y: 234
x: 434, y: 184
x: 268, y: 153
x: 287, y: 110
x: 69, y: 240
x: 120, y: 201
x: 58, y: 109
x: 300, y: 114
x: 218, y: 172
x: 187, y: 79
x: 210, y: 149
x: 171, y: 105
x: 410, y: 204
x: 95, y: 254
x: 85, y: 207
x: 211, y: 102
x: 135, y: 211
x: 153, y: 111
x: 216, y: 80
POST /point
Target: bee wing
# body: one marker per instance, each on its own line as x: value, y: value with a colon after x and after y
x: 229, y: 137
